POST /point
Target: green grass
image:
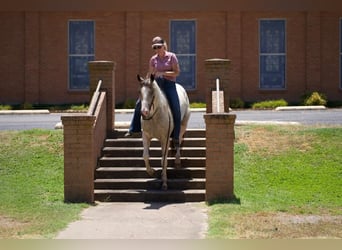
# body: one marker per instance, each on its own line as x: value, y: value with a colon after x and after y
x: 281, y: 171
x: 31, y: 183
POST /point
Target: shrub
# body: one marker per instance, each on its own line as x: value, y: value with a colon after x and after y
x: 315, y: 99
x: 27, y: 105
x: 198, y: 105
x: 80, y: 107
x: 129, y: 104
x: 270, y: 104
x: 5, y: 107
x: 237, y: 103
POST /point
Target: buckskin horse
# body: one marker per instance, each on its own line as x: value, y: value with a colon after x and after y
x: 157, y: 122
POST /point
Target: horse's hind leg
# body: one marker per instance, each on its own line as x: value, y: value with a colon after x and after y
x: 164, y: 164
x: 181, y: 135
x: 164, y: 178
x: 184, y: 125
x: 177, y: 147
x: 177, y: 157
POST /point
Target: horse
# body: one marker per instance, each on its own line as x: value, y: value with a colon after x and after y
x: 157, y: 122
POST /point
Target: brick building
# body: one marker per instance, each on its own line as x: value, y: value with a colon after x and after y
x: 278, y: 49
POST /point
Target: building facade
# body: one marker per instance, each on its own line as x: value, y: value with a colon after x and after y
x: 278, y: 49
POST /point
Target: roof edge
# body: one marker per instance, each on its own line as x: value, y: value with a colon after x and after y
x: 174, y: 5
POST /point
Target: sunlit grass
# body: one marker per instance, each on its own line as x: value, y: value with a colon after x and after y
x: 282, y: 171
x: 31, y: 183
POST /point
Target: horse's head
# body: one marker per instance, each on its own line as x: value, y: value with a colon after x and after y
x: 146, y: 95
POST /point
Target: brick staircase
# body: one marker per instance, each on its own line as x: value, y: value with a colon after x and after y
x: 121, y: 174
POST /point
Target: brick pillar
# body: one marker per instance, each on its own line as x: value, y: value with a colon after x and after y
x: 105, y: 71
x: 219, y: 135
x: 78, y: 158
x: 219, y: 156
x: 217, y: 68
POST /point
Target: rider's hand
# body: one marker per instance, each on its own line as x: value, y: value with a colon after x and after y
x: 159, y: 74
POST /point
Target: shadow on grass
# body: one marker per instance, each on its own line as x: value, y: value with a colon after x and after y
x: 234, y: 200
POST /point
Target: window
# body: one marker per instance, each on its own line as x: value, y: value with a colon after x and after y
x: 183, y: 43
x: 341, y: 53
x: 272, y: 53
x: 81, y: 50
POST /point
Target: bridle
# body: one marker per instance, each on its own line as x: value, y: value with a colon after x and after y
x: 151, y: 105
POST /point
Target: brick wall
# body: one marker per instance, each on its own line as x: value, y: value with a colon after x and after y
x: 12, y: 57
x: 34, y: 58
x: 329, y: 57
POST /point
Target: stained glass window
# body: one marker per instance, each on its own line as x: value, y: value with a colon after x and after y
x: 183, y: 43
x: 272, y: 53
x: 81, y: 50
x: 341, y: 53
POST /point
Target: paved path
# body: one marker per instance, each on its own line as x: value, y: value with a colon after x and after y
x: 138, y: 220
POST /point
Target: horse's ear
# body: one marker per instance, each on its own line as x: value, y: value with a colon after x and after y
x: 140, y: 79
x: 151, y: 77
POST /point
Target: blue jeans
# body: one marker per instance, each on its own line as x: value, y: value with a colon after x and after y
x: 136, y: 122
x: 169, y: 89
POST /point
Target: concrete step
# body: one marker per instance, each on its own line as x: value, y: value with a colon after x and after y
x: 149, y: 183
x: 106, y: 161
x: 154, y: 152
x: 137, y: 142
x: 119, y: 133
x: 121, y: 174
x: 140, y: 172
x: 143, y: 195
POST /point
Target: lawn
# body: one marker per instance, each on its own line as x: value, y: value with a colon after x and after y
x: 288, y: 184
x: 31, y: 185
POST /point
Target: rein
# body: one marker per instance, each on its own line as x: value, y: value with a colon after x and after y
x: 155, y: 111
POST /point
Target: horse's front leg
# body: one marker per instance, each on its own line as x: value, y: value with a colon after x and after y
x: 146, y: 155
x: 164, y: 147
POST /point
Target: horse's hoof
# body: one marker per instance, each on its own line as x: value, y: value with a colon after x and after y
x: 151, y: 172
x: 164, y: 187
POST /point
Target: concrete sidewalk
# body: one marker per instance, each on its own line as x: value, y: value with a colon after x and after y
x: 137, y: 220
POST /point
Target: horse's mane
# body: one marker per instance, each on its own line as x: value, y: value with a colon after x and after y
x: 158, y: 93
